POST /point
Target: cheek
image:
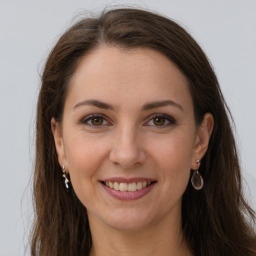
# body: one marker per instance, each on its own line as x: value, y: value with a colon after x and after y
x: 173, y: 156
x: 177, y: 147
x: 84, y: 155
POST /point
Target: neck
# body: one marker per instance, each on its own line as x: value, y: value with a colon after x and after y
x: 163, y: 239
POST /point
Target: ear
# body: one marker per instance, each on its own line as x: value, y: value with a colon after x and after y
x: 59, y: 143
x: 202, y: 139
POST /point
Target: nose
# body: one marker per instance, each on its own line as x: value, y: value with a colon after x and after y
x: 127, y: 149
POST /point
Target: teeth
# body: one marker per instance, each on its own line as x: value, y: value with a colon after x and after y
x: 123, y: 187
x: 111, y: 185
x: 116, y: 186
x: 131, y: 187
x: 139, y: 185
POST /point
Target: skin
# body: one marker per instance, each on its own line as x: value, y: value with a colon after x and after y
x: 130, y: 142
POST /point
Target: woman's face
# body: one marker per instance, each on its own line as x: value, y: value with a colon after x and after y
x: 128, y: 137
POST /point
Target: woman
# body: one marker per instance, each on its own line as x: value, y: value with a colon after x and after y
x: 135, y: 152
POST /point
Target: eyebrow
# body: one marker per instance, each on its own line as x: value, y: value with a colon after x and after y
x: 96, y: 103
x: 145, y: 107
x: 158, y: 104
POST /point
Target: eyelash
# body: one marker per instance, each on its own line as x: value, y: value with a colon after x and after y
x: 169, y: 119
x: 89, y: 118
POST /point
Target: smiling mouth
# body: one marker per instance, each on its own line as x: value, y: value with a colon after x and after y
x: 128, y: 187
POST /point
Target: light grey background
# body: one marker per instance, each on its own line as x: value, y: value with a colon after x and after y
x: 226, y: 29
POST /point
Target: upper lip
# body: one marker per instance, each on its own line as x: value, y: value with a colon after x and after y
x: 127, y: 180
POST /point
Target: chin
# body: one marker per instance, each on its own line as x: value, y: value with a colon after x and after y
x: 128, y: 225
x: 125, y: 220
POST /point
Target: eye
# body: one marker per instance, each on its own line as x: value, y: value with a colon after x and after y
x: 161, y: 120
x: 95, y: 121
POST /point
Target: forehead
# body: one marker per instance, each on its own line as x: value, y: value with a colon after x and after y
x: 120, y: 75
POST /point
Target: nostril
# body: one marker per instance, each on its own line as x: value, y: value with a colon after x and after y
x: 127, y: 157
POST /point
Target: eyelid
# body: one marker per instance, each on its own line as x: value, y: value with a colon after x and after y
x: 169, y: 118
x: 85, y: 120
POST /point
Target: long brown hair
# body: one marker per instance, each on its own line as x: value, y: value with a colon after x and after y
x: 215, y: 219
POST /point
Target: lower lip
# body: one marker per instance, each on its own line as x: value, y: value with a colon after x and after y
x: 125, y: 195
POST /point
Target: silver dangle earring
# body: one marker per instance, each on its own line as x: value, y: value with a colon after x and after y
x: 64, y: 175
x: 196, y: 179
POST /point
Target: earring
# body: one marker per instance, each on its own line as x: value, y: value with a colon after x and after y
x: 65, y: 177
x: 196, y: 179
